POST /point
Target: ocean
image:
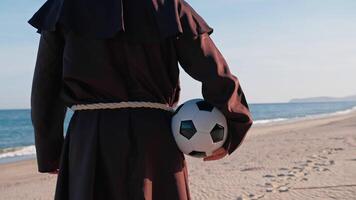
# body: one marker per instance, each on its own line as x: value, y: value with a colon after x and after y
x: 17, y: 139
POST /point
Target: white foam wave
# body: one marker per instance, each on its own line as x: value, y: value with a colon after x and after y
x: 337, y: 113
x: 17, y: 151
x: 265, y: 121
x: 341, y: 112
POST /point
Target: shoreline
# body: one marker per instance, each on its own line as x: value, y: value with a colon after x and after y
x: 277, y: 121
x: 17, y: 159
x: 339, y: 115
x: 315, y: 118
x: 304, y: 159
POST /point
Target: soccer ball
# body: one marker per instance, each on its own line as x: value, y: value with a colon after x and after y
x: 198, y: 128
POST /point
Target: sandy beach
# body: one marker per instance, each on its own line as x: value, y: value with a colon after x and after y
x: 304, y: 159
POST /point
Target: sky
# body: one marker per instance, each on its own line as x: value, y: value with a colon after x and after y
x: 279, y: 49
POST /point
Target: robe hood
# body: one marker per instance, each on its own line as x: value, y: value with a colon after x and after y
x: 143, y: 19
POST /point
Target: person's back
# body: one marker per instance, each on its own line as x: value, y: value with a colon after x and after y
x: 125, y: 153
x: 115, y: 70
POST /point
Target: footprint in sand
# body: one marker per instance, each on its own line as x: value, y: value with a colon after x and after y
x: 280, y: 181
x: 250, y: 197
x: 283, y: 189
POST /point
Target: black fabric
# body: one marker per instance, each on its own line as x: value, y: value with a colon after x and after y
x: 121, y: 155
x: 144, y: 20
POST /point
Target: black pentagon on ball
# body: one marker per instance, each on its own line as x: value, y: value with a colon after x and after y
x: 204, y: 106
x: 187, y: 129
x: 198, y: 154
x: 217, y: 133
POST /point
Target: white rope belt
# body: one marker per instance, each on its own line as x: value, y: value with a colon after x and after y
x: 128, y: 104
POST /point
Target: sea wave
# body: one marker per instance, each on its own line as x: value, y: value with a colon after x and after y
x: 340, y: 112
x: 13, y: 152
x: 266, y: 121
x: 314, y: 116
x: 17, y: 151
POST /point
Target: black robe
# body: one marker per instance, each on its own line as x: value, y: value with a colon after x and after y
x: 123, y: 153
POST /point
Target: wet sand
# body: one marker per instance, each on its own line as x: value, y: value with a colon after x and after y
x: 305, y: 159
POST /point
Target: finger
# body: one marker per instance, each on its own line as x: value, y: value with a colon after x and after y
x: 215, y: 157
x: 219, y: 153
x: 219, y: 150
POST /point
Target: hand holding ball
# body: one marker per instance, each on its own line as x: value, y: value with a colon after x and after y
x: 199, y: 128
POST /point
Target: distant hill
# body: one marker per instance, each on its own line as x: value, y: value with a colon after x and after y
x: 323, y: 99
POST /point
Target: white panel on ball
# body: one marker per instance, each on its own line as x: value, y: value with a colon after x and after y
x: 202, y: 142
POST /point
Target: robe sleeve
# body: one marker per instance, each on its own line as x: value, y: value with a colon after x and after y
x: 47, y: 109
x: 201, y: 59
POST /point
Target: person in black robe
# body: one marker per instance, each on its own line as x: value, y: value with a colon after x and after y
x: 107, y: 51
